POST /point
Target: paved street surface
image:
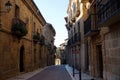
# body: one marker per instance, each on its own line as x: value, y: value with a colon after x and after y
x: 84, y: 76
x: 59, y: 72
x: 52, y: 73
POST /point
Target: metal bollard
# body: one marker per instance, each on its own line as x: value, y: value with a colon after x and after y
x: 80, y: 74
x: 73, y: 71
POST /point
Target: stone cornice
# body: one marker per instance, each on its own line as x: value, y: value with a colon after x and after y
x: 34, y: 9
x: 51, y: 28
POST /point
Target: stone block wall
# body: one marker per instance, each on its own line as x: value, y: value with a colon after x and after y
x: 112, y: 51
x: 10, y: 45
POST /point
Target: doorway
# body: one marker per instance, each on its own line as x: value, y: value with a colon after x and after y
x: 86, y: 58
x: 100, y: 61
x: 21, y: 64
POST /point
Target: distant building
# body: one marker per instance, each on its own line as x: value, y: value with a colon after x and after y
x: 74, y: 46
x: 49, y: 33
x: 63, y: 54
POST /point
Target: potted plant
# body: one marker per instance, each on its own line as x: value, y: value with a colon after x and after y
x: 36, y: 37
x: 19, y: 29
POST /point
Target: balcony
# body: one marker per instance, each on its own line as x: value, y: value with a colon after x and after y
x: 90, y: 27
x: 109, y: 13
x: 75, y: 38
x: 42, y: 40
x: 18, y: 28
x: 69, y: 43
x: 70, y: 24
x: 36, y: 37
x: 78, y: 37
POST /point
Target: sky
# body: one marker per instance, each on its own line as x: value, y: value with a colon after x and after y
x: 54, y: 12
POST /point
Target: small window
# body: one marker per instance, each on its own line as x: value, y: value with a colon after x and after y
x: 17, y: 11
x: 78, y: 26
x: 34, y: 27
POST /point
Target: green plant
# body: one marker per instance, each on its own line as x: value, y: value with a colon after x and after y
x: 19, y: 29
x: 42, y: 39
x: 36, y: 37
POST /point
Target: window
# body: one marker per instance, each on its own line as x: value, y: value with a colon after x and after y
x: 35, y: 55
x: 78, y: 26
x: 17, y: 11
x: 34, y: 27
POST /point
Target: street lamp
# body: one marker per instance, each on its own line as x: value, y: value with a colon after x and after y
x: 7, y: 6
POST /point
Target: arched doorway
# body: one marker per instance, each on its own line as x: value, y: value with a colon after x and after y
x: 21, y: 64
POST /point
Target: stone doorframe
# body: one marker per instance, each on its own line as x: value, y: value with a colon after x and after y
x: 99, y: 58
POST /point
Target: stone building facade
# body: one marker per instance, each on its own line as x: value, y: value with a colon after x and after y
x: 74, y: 25
x: 22, y: 44
x: 99, y: 44
x: 49, y: 33
x: 101, y: 29
x: 63, y: 53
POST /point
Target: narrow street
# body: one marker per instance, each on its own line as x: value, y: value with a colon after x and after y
x: 52, y: 73
x: 59, y: 40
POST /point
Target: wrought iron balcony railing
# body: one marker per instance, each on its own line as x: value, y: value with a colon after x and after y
x: 109, y: 13
x: 69, y: 42
x: 90, y: 27
x: 18, y: 27
x: 78, y: 37
x: 75, y: 39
